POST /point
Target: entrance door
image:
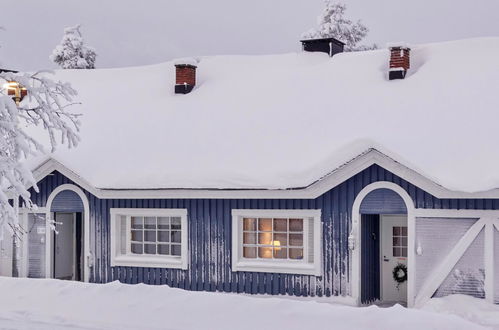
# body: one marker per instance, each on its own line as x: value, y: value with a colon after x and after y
x: 393, y: 254
x: 64, y: 246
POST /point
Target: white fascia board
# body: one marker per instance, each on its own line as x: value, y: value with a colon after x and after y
x: 313, y: 191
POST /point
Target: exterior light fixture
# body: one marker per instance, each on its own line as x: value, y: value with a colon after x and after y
x: 15, y: 90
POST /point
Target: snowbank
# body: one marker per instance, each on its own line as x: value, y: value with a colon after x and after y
x: 284, y: 121
x: 54, y: 304
x: 473, y: 309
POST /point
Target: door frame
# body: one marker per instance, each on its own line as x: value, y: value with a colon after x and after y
x: 355, y: 240
x: 87, y: 259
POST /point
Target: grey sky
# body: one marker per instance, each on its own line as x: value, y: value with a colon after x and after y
x: 149, y: 31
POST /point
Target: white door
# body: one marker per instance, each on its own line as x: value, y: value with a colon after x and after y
x: 6, y: 254
x: 64, y: 251
x: 393, y: 254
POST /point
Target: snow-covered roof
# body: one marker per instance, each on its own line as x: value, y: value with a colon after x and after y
x: 286, y: 121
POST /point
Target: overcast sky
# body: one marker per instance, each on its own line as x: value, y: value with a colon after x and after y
x: 129, y: 32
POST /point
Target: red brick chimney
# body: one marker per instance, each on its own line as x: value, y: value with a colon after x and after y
x: 400, y: 61
x: 185, y: 78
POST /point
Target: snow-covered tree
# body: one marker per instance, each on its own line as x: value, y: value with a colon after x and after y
x: 45, y: 106
x: 72, y: 53
x: 332, y: 23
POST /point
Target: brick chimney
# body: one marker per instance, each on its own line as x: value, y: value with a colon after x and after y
x: 400, y: 61
x: 185, y: 78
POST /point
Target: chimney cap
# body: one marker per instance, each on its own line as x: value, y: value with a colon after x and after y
x: 313, y: 40
x: 186, y: 62
x: 398, y: 45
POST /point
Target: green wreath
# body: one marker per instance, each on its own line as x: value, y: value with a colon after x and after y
x: 400, y: 274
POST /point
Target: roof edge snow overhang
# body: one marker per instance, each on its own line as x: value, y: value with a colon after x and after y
x: 314, y: 190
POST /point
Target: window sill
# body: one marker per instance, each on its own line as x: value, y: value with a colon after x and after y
x: 298, y: 268
x: 149, y: 261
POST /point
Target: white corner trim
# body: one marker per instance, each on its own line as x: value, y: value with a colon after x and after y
x: 436, y: 278
x: 355, y: 233
x: 154, y: 261
x: 315, y: 190
x: 488, y: 254
x: 302, y: 267
x: 87, y: 262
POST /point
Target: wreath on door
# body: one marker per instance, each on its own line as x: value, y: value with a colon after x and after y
x: 400, y: 274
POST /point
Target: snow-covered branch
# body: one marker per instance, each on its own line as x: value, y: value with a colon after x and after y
x: 45, y: 106
x: 332, y: 23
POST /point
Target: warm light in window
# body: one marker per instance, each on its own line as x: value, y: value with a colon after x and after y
x: 277, y: 245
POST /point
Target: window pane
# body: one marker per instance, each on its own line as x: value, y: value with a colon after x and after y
x: 163, y: 223
x: 176, y: 236
x: 404, y: 231
x: 164, y: 236
x: 397, y: 252
x: 296, y: 239
x: 265, y: 238
x: 163, y: 249
x: 265, y: 252
x: 137, y: 222
x: 404, y: 252
x: 150, y: 223
x: 280, y: 240
x: 176, y: 250
x: 265, y: 224
x: 397, y: 241
x: 249, y: 224
x: 280, y: 253
x: 404, y: 241
x: 137, y: 248
x: 137, y: 236
x: 176, y: 224
x: 249, y: 238
x: 150, y: 235
x: 280, y: 224
x: 150, y: 248
x: 296, y: 254
x: 295, y: 224
x: 249, y: 252
x: 396, y: 231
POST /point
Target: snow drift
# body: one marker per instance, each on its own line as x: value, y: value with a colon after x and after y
x: 285, y: 121
x: 55, y: 304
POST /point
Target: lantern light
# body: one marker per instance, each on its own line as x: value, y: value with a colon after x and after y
x: 17, y: 91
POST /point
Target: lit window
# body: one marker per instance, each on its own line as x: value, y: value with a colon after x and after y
x: 149, y: 238
x: 278, y: 241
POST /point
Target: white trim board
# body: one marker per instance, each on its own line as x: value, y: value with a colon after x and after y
x: 314, y: 190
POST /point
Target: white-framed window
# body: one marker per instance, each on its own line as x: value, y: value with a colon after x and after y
x: 277, y: 241
x: 149, y: 238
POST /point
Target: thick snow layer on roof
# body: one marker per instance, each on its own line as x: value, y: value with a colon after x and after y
x: 284, y: 121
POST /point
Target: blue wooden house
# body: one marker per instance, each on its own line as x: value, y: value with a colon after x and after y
x: 295, y: 174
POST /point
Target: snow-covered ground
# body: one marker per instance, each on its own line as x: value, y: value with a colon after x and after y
x: 53, y: 304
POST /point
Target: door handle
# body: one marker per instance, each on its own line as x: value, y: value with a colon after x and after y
x: 385, y: 259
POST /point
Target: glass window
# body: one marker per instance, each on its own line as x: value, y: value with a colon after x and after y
x: 399, y: 240
x: 156, y: 235
x: 273, y: 238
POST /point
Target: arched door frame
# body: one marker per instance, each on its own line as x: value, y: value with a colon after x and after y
x: 86, y: 231
x: 355, y: 260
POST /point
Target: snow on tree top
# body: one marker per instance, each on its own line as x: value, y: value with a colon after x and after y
x: 284, y: 121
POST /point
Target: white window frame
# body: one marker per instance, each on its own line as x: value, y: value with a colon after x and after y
x: 302, y: 267
x: 144, y: 260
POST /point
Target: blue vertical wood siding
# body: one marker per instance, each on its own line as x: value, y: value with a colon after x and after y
x: 210, y: 237
x: 67, y: 201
